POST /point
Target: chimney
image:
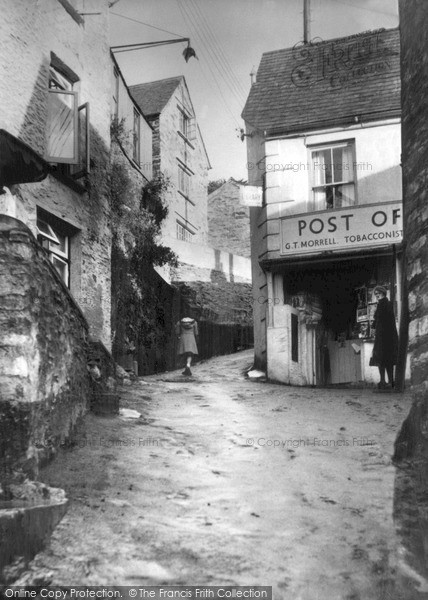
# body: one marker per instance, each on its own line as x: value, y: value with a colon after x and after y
x: 253, y: 75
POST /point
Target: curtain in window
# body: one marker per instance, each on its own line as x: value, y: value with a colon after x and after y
x: 345, y: 194
x: 321, y: 168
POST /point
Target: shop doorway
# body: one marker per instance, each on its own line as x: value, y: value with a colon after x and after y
x: 342, y: 289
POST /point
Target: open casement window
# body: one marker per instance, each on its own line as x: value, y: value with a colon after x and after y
x: 333, y: 179
x: 62, y: 127
x: 57, y: 245
x: 83, y: 166
x: 183, y: 181
x: 68, y: 126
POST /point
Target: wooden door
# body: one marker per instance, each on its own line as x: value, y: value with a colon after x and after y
x: 345, y: 361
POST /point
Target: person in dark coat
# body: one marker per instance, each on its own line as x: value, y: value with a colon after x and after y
x: 187, y: 333
x: 385, y: 348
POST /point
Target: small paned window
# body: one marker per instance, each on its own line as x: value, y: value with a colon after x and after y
x: 183, y: 123
x: 55, y: 239
x: 136, y: 137
x: 115, y: 93
x: 333, y: 178
x: 68, y: 127
x: 183, y: 181
x: 183, y: 233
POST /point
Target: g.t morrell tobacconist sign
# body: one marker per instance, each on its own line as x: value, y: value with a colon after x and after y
x: 342, y: 229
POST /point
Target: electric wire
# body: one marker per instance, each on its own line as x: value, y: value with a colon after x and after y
x: 187, y: 15
x: 146, y: 24
x: 192, y: 22
x: 223, y: 67
x: 188, y: 20
x: 212, y: 42
x: 373, y: 10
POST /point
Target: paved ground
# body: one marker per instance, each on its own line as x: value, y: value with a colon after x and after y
x: 224, y: 481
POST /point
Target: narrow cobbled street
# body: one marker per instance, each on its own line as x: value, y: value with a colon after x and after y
x: 227, y: 481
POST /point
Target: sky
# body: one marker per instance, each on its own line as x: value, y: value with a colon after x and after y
x: 229, y: 37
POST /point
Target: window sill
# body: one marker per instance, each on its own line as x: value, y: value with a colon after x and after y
x: 186, y: 139
x: 69, y: 182
x: 72, y: 12
x: 186, y: 197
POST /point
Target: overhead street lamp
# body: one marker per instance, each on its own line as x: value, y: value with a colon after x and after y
x: 188, y: 52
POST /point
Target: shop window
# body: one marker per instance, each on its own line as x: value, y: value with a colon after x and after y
x: 68, y: 139
x: 54, y: 236
x: 333, y: 179
x: 136, y: 138
x: 183, y: 233
x: 294, y: 338
x: 183, y: 181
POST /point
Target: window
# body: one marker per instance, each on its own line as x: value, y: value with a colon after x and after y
x: 183, y: 123
x: 333, y: 183
x: 136, y: 138
x: 183, y: 233
x: 54, y: 236
x: 115, y: 93
x: 294, y: 338
x: 183, y: 181
x: 68, y: 137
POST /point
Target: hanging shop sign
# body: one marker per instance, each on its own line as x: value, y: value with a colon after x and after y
x: 251, y: 195
x: 342, y: 229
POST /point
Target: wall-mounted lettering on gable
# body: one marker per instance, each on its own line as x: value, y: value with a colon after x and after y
x: 342, y: 63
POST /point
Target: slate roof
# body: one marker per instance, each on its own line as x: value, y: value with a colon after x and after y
x: 152, y: 97
x: 327, y: 83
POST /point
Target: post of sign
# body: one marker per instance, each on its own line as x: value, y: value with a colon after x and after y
x: 306, y: 17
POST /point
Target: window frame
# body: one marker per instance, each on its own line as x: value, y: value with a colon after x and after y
x: 136, y: 138
x: 331, y: 146
x: 116, y: 84
x: 182, y: 171
x: 186, y: 236
x: 50, y: 242
x: 183, y: 123
x: 62, y: 81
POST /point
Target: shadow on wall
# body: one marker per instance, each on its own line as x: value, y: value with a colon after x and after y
x: 83, y: 201
x: 384, y: 186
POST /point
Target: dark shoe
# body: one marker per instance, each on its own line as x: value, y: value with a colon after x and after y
x: 187, y: 372
x: 381, y: 385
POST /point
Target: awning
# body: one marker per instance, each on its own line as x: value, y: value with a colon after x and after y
x: 18, y: 162
x: 324, y: 258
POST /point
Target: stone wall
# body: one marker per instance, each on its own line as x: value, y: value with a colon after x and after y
x: 414, y: 56
x: 228, y: 220
x: 44, y: 380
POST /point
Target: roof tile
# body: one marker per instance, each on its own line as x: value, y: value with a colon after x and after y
x: 308, y: 85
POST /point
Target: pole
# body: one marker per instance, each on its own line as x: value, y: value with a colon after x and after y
x: 306, y: 16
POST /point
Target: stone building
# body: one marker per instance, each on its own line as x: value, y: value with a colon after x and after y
x: 179, y: 154
x: 229, y: 219
x: 414, y: 60
x: 213, y: 283
x: 53, y: 98
x: 55, y: 252
x: 323, y: 139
